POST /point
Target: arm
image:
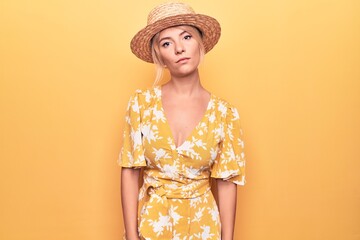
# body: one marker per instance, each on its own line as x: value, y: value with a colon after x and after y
x: 227, y: 206
x: 129, y: 199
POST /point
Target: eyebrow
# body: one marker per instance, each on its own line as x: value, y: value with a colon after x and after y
x: 164, y: 38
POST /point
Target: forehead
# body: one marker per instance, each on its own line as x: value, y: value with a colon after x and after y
x: 176, y: 30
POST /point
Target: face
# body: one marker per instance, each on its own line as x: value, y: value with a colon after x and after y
x: 179, y: 51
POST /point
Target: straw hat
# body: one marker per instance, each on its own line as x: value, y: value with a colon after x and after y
x: 169, y: 15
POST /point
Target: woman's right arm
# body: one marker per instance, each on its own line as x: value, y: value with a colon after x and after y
x: 129, y: 198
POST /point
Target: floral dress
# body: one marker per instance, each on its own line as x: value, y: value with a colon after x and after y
x: 175, y: 201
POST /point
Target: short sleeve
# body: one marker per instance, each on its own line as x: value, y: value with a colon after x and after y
x: 132, y: 151
x: 229, y: 164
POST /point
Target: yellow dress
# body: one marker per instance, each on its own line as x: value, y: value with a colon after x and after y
x: 175, y: 201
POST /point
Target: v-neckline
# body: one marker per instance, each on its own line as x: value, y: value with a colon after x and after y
x: 193, y: 130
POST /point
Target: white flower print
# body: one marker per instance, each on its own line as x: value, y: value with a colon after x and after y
x: 227, y: 174
x: 176, y: 236
x: 135, y: 107
x: 230, y: 154
x: 240, y: 182
x: 222, y: 108
x: 192, y: 172
x: 147, y: 96
x: 170, y: 143
x: 211, y: 104
x: 194, y: 202
x: 240, y: 142
x: 159, y: 225
x: 235, y: 114
x: 160, y: 154
x: 206, y: 233
x: 198, y: 215
x: 170, y: 171
x: 199, y: 143
x: 128, y: 121
x: 188, y: 147
x: 229, y: 131
x: 159, y: 115
x: 214, y: 152
x: 150, y: 132
x: 172, y: 186
x: 130, y: 157
x: 147, y: 112
x: 202, y: 126
x: 219, y: 131
x: 212, y: 117
x: 242, y: 154
x: 136, y: 137
x: 157, y: 92
x: 214, y: 212
x: 174, y: 215
x: 145, y: 210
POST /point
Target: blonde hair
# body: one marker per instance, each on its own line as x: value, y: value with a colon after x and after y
x: 196, y: 34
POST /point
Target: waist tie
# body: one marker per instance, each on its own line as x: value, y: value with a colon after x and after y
x: 154, y: 213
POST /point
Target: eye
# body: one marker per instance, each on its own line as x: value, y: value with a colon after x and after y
x: 187, y: 37
x: 165, y: 44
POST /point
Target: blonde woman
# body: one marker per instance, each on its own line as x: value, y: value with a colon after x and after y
x: 181, y: 135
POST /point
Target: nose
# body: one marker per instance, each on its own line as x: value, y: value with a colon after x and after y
x: 179, y: 48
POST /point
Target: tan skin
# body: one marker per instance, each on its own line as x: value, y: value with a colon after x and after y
x: 184, y: 102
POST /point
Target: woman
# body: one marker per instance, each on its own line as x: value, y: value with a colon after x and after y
x: 181, y: 135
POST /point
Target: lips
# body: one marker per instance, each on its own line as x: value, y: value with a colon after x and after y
x: 182, y: 60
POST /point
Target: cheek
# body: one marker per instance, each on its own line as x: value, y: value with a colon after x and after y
x: 165, y: 56
x: 195, y: 49
x: 196, y: 53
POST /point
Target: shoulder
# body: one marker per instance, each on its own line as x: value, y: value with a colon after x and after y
x: 145, y: 96
x: 224, y: 108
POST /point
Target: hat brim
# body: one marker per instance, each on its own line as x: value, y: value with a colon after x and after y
x: 210, y: 29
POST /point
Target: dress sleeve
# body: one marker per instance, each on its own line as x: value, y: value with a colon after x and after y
x: 229, y: 164
x: 132, y: 151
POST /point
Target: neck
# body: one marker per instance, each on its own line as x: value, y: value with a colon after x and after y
x: 188, y: 85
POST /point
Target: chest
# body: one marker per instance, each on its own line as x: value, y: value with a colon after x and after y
x: 182, y: 117
x: 198, y: 148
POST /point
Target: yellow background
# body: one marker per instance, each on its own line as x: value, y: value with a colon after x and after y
x: 292, y: 68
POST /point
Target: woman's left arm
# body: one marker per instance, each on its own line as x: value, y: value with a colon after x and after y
x: 227, y: 193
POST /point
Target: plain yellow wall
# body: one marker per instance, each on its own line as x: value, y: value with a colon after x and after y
x: 292, y: 68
